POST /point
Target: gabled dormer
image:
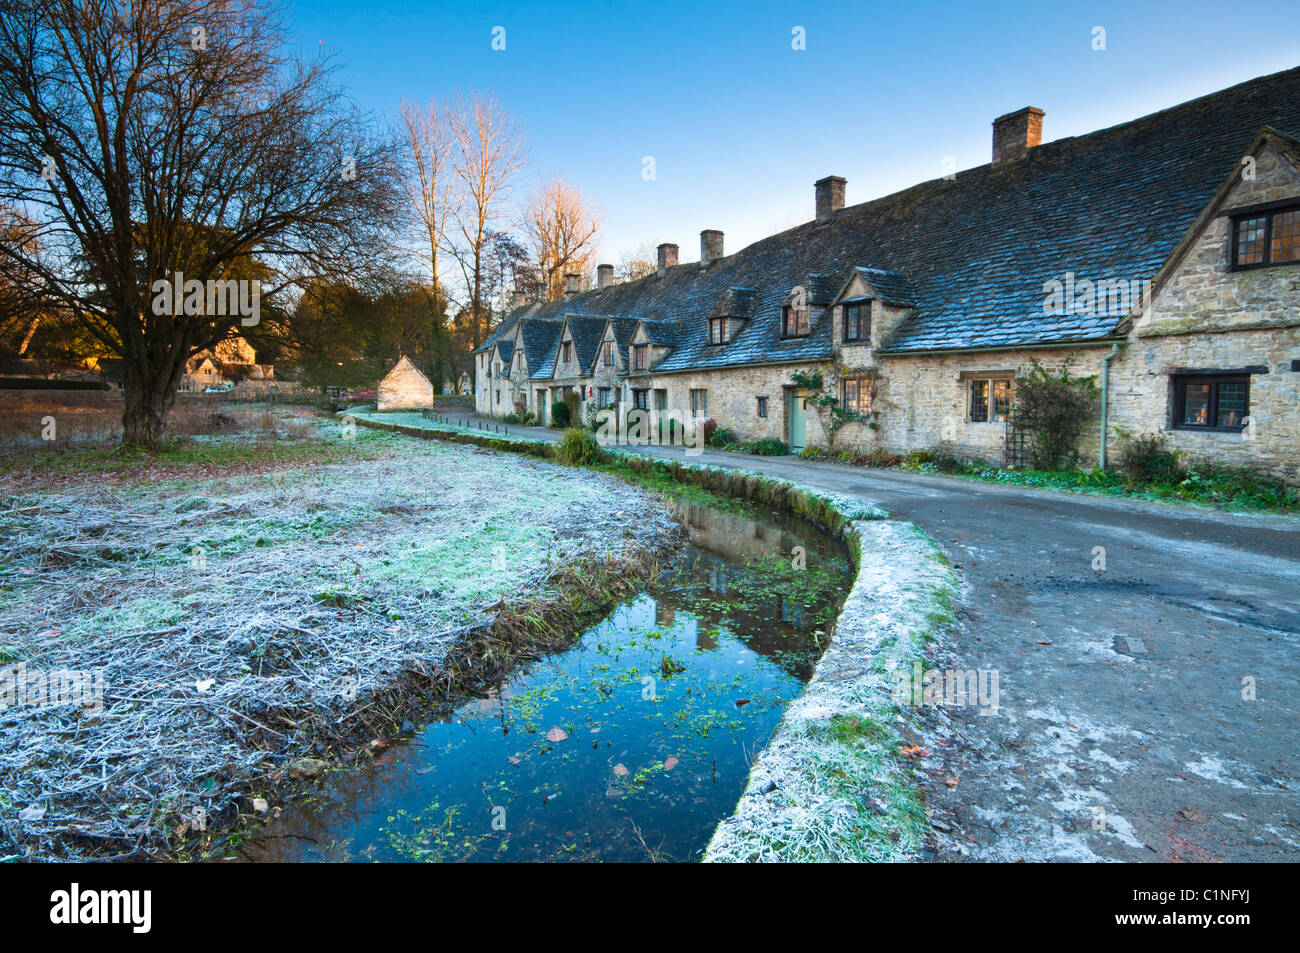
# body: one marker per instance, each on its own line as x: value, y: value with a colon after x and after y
x: 730, y: 315
x: 870, y: 304
x: 651, y: 342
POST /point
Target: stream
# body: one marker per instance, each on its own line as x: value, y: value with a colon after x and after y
x: 630, y: 745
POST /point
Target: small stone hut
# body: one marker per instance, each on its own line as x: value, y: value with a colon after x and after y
x: 404, y: 388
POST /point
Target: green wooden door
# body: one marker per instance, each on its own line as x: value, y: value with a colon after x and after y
x: 798, y: 422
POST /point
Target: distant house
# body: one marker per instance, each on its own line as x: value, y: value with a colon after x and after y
x: 404, y: 388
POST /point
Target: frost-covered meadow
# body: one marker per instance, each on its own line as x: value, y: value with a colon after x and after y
x: 228, y: 613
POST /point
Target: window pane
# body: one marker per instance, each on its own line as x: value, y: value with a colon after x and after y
x: 1001, y: 400
x: 1232, y: 403
x: 979, y: 401
x: 1250, y: 241
x: 1196, y: 405
x: 1286, y: 237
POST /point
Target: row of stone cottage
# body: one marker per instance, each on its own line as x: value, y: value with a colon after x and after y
x: 1160, y: 255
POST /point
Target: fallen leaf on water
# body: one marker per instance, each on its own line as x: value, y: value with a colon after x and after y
x: 670, y: 763
x: 204, y: 684
x: 512, y: 759
x: 741, y: 702
x: 33, y: 813
x: 1045, y: 643
x: 556, y: 734
x: 620, y: 770
x: 260, y: 805
x: 913, y: 751
x: 951, y: 780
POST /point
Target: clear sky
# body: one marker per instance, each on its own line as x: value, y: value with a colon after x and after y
x: 740, y: 124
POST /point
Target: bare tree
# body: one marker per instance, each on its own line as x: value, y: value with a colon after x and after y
x: 431, y: 186
x: 562, y: 231
x: 149, y: 137
x: 489, y: 155
x: 637, y: 263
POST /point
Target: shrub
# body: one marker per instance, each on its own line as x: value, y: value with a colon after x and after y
x: 1149, y: 459
x: 767, y: 447
x: 1053, y: 409
x: 511, y: 418
x: 560, y: 414
x: 716, y: 436
x: 812, y: 453
x: 578, y: 447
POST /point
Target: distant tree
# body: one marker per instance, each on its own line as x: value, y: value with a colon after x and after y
x: 561, y: 228
x: 488, y: 157
x: 147, y: 137
x: 637, y: 263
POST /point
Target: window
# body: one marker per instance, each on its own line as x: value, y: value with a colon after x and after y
x: 609, y: 353
x: 603, y: 398
x: 1203, y: 402
x: 641, y: 355
x: 990, y: 400
x: 641, y: 399
x: 566, y: 351
x: 498, y: 395
x: 857, y: 395
x: 762, y: 407
x: 857, y: 322
x: 717, y: 331
x: 1265, y: 238
x: 699, y: 403
x: 794, y: 321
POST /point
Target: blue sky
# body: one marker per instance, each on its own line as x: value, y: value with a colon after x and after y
x: 740, y: 124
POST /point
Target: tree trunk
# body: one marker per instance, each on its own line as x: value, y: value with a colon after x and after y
x: 149, y: 398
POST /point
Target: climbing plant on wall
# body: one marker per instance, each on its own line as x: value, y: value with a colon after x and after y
x: 824, y: 397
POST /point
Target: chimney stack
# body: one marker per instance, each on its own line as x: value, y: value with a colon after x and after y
x: 571, y: 285
x: 604, y: 276
x: 1016, y: 133
x: 710, y: 246
x: 667, y: 256
x: 830, y: 196
x: 518, y: 298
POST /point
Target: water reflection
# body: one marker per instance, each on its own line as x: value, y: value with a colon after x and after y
x: 634, y: 741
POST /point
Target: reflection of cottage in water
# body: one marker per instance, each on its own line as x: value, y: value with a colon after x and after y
x: 733, y: 535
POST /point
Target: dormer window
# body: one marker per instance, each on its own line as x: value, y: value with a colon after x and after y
x: 640, y: 356
x: 566, y: 351
x: 794, y: 320
x: 717, y: 330
x: 1266, y: 237
x: 609, y: 353
x: 857, y: 322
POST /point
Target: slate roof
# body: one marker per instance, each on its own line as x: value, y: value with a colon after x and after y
x: 973, y: 253
x: 586, y: 333
x: 540, y: 338
x: 506, y: 347
x: 662, y: 333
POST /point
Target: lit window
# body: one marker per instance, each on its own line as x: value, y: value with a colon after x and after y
x: 990, y: 400
x: 1266, y: 238
x: 1211, y: 403
x: 794, y: 321
x: 857, y: 395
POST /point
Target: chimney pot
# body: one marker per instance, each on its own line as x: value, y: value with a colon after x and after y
x: 710, y: 246
x: 1016, y: 133
x: 571, y: 284
x: 667, y: 256
x: 604, y: 276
